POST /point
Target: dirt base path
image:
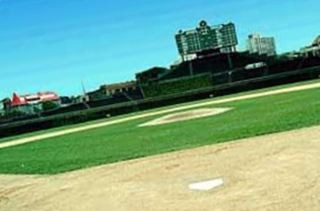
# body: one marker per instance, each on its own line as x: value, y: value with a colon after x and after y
x: 274, y: 172
x: 148, y: 114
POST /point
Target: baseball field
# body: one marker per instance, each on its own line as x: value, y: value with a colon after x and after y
x: 265, y: 145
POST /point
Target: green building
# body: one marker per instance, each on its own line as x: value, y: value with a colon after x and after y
x: 222, y: 38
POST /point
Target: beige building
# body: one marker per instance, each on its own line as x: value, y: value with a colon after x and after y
x: 109, y: 90
x: 118, y: 88
x: 313, y: 49
x: 256, y: 44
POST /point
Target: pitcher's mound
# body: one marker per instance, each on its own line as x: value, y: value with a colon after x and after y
x: 186, y: 115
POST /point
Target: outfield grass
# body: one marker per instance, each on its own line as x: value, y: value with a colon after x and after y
x: 127, y: 141
x: 7, y: 139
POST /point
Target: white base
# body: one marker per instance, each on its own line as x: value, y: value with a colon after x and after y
x: 206, y: 185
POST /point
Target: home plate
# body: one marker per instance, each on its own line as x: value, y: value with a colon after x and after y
x: 206, y: 185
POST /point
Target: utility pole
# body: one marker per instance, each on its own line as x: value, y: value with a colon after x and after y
x: 230, y: 67
x: 230, y: 76
x: 230, y: 61
x: 190, y: 68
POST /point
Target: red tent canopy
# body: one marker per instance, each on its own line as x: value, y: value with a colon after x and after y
x: 34, y: 98
x: 17, y: 100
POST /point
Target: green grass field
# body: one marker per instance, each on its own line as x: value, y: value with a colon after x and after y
x: 127, y: 141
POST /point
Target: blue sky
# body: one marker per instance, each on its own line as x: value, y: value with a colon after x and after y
x: 53, y: 45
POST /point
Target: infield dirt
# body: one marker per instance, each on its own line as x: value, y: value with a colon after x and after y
x: 273, y: 172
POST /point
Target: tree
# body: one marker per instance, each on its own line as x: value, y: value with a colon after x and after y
x: 49, y: 105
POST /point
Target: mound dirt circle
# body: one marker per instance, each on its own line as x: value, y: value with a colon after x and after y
x: 186, y: 115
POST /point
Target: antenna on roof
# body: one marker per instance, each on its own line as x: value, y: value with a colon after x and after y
x: 83, y: 88
x: 85, y: 95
